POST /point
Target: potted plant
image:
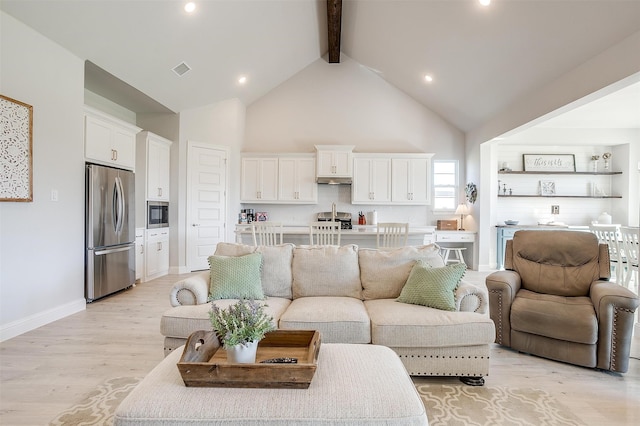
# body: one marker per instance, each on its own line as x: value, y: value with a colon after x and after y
x: 239, y: 328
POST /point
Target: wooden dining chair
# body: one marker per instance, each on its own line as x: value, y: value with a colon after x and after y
x: 630, y: 242
x: 324, y: 233
x: 392, y: 234
x: 610, y: 235
x: 266, y: 233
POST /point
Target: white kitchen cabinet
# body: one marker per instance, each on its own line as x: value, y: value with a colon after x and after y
x: 139, y: 254
x: 410, y: 179
x: 297, y: 180
x: 371, y: 179
x: 153, y: 166
x: 334, y: 161
x: 156, y: 253
x: 259, y: 182
x: 109, y: 140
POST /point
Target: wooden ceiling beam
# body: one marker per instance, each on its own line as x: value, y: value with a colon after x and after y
x: 334, y: 23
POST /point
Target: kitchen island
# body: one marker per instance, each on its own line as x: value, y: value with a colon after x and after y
x: 364, y: 236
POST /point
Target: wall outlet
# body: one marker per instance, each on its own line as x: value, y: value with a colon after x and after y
x: 555, y: 209
x: 54, y: 195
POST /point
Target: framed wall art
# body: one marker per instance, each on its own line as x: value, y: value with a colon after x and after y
x: 547, y: 187
x: 549, y: 162
x: 16, y: 150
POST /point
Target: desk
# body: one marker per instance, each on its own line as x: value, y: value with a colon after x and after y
x: 465, y: 239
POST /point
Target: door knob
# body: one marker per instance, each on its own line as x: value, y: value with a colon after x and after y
x: 195, y: 224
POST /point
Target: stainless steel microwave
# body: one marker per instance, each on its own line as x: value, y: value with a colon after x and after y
x: 157, y: 214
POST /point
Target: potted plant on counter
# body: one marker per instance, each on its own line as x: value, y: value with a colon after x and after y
x: 239, y: 328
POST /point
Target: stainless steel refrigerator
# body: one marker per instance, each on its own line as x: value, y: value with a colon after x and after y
x: 110, y: 263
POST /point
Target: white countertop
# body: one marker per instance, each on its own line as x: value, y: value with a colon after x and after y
x: 357, y: 229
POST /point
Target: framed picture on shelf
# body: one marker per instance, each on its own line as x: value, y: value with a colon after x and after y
x: 549, y: 162
x: 547, y: 187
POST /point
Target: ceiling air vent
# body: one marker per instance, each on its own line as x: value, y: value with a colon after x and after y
x: 181, y: 69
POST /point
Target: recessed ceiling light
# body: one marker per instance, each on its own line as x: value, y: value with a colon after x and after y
x: 242, y: 80
x: 190, y: 7
x: 428, y: 78
x: 485, y: 2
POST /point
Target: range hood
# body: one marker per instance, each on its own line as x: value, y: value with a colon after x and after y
x: 334, y: 164
x: 334, y: 180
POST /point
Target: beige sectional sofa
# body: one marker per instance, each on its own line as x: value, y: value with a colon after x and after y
x: 349, y: 295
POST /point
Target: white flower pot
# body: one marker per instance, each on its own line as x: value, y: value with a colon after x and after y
x: 243, y: 354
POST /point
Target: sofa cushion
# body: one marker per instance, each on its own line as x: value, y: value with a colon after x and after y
x: 400, y: 325
x: 276, y: 265
x: 326, y: 271
x: 432, y: 287
x: 384, y: 272
x: 181, y: 321
x: 571, y: 319
x: 339, y: 319
x: 236, y: 277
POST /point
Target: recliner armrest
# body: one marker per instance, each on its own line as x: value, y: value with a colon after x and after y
x: 502, y: 287
x: 191, y: 291
x: 615, y: 308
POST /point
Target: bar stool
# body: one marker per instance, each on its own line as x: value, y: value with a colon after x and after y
x: 446, y: 252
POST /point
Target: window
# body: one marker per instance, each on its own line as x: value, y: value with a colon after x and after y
x: 445, y: 185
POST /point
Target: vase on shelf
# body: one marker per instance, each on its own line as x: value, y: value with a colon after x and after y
x: 606, y: 164
x: 243, y: 353
x: 594, y: 164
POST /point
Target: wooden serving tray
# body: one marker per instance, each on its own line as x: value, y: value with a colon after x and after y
x: 204, y: 363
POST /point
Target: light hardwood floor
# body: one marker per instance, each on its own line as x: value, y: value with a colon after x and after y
x: 47, y: 370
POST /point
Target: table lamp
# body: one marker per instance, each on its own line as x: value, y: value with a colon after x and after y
x: 462, y: 210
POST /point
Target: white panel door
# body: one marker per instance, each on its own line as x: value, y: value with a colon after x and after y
x: 206, y: 203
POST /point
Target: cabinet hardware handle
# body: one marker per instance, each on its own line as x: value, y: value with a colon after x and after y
x: 159, y: 192
x: 195, y: 224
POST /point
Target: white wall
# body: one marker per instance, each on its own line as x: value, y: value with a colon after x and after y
x: 346, y: 104
x: 219, y: 124
x: 612, y: 69
x: 42, y: 242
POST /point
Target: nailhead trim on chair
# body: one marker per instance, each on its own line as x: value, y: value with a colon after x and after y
x: 614, y: 341
x: 415, y: 373
x: 499, y: 335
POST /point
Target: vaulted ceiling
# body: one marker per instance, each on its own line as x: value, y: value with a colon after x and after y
x: 482, y: 59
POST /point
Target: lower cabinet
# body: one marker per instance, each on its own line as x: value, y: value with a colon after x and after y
x: 156, y: 253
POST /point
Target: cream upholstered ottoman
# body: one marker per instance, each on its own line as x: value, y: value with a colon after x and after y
x: 353, y: 385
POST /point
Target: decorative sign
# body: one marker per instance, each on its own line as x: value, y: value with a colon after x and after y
x: 549, y: 162
x: 16, y: 159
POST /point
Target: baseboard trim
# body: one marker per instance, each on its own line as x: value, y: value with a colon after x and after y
x: 23, y: 325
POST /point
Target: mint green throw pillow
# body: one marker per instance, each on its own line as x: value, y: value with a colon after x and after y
x: 236, y: 277
x: 432, y: 287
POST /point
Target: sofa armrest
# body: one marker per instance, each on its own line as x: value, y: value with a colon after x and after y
x: 615, y: 307
x: 502, y: 287
x: 471, y: 298
x: 191, y: 291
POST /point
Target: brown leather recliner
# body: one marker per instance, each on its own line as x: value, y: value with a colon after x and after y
x: 554, y: 300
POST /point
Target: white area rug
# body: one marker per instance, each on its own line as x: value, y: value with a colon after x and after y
x: 453, y: 405
x: 99, y: 406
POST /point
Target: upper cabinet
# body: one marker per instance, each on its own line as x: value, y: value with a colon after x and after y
x: 410, y: 178
x: 334, y: 162
x: 281, y: 179
x: 259, y: 181
x: 109, y: 140
x: 371, y: 179
x: 297, y: 179
x: 153, y: 154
